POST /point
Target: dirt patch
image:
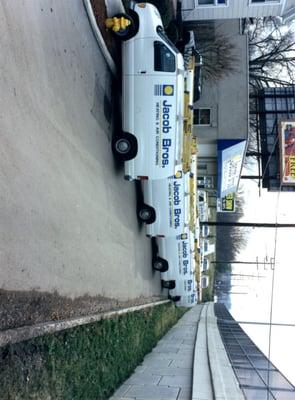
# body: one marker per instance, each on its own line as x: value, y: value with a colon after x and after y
x: 22, y: 308
x: 100, y: 12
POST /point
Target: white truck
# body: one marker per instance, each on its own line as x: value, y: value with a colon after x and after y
x: 174, y: 261
x: 150, y: 143
x: 185, y: 293
x: 165, y: 206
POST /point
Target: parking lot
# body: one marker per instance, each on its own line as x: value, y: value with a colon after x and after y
x: 68, y: 221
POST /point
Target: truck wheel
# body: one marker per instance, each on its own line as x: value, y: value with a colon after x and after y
x: 124, y: 146
x: 129, y: 31
x: 174, y: 298
x: 168, y: 284
x: 146, y: 214
x: 159, y: 264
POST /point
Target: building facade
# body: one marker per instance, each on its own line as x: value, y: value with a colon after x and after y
x: 229, y: 9
x: 222, y: 112
x: 273, y: 105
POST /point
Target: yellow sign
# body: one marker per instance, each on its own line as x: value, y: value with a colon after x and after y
x: 292, y: 166
x: 228, y: 202
x: 287, y: 144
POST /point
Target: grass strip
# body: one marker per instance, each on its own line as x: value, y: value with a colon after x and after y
x: 86, y: 362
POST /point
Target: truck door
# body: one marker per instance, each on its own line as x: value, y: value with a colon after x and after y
x: 154, y: 85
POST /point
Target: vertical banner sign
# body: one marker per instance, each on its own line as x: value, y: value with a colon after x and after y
x: 230, y: 160
x: 287, y: 152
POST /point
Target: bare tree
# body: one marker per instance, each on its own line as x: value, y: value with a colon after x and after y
x: 271, y: 64
x: 272, y: 53
x: 219, y: 59
x: 230, y: 241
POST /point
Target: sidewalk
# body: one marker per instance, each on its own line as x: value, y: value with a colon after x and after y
x: 166, y: 373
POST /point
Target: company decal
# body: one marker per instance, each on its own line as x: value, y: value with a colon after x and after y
x: 182, y: 236
x: 192, y: 298
x: 188, y: 285
x: 164, y: 115
x: 164, y: 90
x: 185, y: 257
x: 185, y: 251
x: 175, y: 211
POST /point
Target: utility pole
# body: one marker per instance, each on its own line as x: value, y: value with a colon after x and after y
x: 241, y: 262
x: 264, y: 262
x: 259, y: 177
x: 242, y: 276
x: 247, y: 224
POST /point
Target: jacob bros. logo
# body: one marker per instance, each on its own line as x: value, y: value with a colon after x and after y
x: 165, y: 115
x: 176, y: 202
x: 164, y: 90
x: 168, y: 90
x: 166, y: 127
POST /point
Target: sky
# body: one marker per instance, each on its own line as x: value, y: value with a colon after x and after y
x: 255, y: 306
x: 271, y: 207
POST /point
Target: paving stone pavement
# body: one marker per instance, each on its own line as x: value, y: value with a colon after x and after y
x: 166, y: 373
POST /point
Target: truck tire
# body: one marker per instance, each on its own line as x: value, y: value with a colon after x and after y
x: 130, y: 31
x: 146, y: 214
x: 175, y: 299
x: 124, y: 146
x: 159, y: 264
x: 168, y: 284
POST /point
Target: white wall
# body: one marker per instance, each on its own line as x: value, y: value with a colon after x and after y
x: 234, y: 9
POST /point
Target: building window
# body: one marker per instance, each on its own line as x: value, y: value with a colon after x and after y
x: 202, y: 167
x: 264, y: 1
x: 205, y: 182
x: 202, y: 116
x: 212, y: 2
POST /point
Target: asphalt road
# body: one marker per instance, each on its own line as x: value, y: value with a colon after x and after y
x: 67, y: 217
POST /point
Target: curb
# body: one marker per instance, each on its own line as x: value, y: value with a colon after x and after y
x: 99, y: 38
x: 213, y: 375
x: 224, y: 379
x: 11, y: 336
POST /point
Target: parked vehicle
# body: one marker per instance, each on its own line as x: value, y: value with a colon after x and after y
x: 185, y: 293
x: 150, y: 143
x: 179, y: 273
x: 165, y: 208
